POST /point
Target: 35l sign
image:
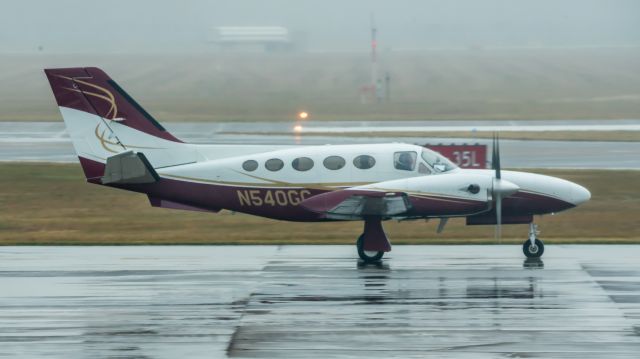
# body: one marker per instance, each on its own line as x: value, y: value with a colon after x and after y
x: 465, y: 156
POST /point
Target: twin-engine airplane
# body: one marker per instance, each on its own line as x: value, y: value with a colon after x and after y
x: 121, y: 145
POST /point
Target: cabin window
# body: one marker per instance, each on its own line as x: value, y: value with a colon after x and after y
x: 250, y: 165
x: 405, y: 160
x: 274, y: 164
x: 364, y: 162
x: 302, y: 164
x: 334, y: 162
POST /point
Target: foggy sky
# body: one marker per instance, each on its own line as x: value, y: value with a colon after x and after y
x: 143, y: 26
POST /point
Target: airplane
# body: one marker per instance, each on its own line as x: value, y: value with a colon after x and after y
x: 121, y: 145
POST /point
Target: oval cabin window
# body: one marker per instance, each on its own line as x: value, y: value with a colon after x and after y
x: 250, y: 165
x: 334, y: 162
x: 302, y: 163
x: 364, y: 162
x: 274, y: 164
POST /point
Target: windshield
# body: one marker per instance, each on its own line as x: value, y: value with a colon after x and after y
x: 438, y: 162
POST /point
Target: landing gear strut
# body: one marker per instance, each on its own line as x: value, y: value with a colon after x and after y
x: 533, y: 247
x: 373, y: 242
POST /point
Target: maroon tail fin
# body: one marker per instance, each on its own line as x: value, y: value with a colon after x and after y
x: 91, y: 90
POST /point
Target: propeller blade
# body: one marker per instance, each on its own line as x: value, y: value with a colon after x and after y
x: 493, y: 151
x: 499, y: 218
x: 497, y: 156
x: 501, y: 188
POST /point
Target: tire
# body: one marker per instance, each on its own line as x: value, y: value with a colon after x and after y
x: 367, y: 256
x: 527, y: 250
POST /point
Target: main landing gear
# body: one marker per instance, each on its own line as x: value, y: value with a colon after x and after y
x: 367, y: 256
x: 373, y: 242
x: 533, y: 247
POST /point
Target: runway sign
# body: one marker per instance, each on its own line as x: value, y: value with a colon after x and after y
x: 465, y: 156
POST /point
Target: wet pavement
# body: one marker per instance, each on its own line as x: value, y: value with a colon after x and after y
x: 319, y: 301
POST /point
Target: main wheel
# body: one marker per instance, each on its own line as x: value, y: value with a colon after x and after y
x: 368, y: 256
x: 533, y: 251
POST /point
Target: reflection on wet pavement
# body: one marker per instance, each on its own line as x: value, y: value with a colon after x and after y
x: 318, y: 301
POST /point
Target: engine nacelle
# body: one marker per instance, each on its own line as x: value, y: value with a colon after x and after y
x: 454, y: 194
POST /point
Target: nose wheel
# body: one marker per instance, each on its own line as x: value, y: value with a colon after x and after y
x: 533, y: 247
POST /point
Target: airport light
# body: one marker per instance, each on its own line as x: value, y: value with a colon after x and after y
x: 303, y: 115
x: 297, y: 128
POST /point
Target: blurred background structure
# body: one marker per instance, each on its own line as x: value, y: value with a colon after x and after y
x: 144, y: 26
x: 249, y: 60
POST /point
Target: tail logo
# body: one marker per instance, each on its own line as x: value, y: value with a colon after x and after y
x: 103, y: 94
x: 106, y: 142
x: 107, y: 138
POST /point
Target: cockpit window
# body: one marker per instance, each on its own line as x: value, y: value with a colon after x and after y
x: 438, y: 162
x: 405, y: 161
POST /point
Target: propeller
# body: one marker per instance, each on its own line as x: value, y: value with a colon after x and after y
x: 501, y: 188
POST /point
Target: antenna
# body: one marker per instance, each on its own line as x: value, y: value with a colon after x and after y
x: 374, y: 53
x: 374, y: 90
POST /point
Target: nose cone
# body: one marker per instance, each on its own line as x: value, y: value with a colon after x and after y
x: 541, y: 194
x: 579, y: 194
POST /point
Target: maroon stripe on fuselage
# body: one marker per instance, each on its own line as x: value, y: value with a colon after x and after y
x: 520, y: 207
x: 275, y: 203
x: 434, y: 206
x: 524, y: 203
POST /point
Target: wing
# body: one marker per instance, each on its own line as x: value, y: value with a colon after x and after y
x: 446, y: 195
x: 358, y: 204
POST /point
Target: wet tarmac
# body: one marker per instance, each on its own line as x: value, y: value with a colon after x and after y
x: 319, y: 302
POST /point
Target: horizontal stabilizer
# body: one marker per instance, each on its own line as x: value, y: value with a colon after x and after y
x: 129, y: 167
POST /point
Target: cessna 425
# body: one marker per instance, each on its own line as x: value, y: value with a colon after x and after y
x: 121, y: 145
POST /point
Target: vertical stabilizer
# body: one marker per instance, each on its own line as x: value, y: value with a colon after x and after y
x: 103, y: 121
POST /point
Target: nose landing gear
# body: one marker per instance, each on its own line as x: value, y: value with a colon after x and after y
x: 533, y: 247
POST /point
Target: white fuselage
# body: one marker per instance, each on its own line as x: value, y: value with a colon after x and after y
x: 223, y: 164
